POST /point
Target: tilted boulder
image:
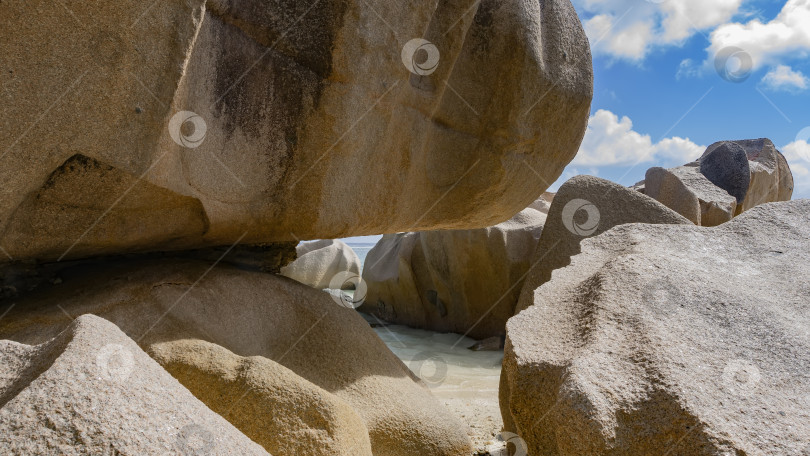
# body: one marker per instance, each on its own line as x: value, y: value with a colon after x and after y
x: 667, y: 188
x: 688, y: 192
x: 187, y: 124
x: 767, y: 173
x: 586, y: 206
x: 786, y: 184
x: 669, y: 340
x: 462, y: 281
x: 252, y: 314
x: 320, y: 262
x: 771, y: 179
x: 91, y: 390
x: 730, y: 178
x: 725, y: 164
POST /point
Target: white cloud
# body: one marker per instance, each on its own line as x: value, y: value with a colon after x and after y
x: 688, y: 69
x: 612, y: 141
x: 783, y: 77
x: 678, y: 150
x: 797, y: 154
x: 629, y: 42
x: 766, y: 43
x: 683, y: 17
x: 629, y: 29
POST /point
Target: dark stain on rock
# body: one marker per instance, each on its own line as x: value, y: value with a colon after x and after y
x: 75, y: 164
x: 289, y: 45
x: 482, y: 26
x: 433, y: 298
x: 293, y: 41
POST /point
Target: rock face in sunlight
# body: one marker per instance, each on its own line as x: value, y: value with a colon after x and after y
x: 190, y: 124
x: 320, y: 262
x: 462, y: 281
x: 225, y: 328
x: 91, y: 390
x: 586, y: 206
x: 731, y: 177
x: 669, y: 340
x: 260, y: 397
x: 688, y: 192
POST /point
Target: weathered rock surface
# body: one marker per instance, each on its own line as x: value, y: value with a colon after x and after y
x: 688, y: 192
x: 262, y: 398
x: 586, y: 206
x: 669, y: 340
x: 771, y: 179
x: 667, y: 188
x: 462, y: 281
x: 207, y: 123
x: 786, y: 184
x: 91, y: 390
x: 725, y: 164
x: 321, y: 261
x: 253, y: 314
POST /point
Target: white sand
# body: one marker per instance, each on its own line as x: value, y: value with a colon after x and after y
x: 464, y: 380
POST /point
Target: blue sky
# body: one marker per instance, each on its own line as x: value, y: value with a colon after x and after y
x: 660, y: 99
x: 673, y: 76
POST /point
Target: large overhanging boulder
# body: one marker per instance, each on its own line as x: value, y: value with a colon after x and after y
x: 669, y: 339
x: 176, y: 124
